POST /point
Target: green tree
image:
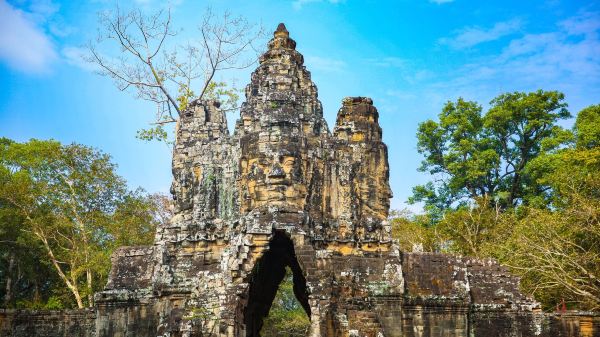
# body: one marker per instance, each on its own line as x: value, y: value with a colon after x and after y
x: 553, y: 245
x: 68, y: 200
x: 476, y: 229
x: 413, y: 233
x: 25, y: 278
x: 473, y: 155
x: 286, y: 317
x: 587, y: 127
x: 557, y: 249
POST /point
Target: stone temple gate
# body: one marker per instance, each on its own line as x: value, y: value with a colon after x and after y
x: 284, y: 191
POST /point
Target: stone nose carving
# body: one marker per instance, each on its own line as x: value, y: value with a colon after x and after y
x: 276, y: 171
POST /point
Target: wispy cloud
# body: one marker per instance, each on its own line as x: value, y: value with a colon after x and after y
x: 439, y: 2
x: 565, y: 59
x: 23, y: 43
x: 405, y: 69
x: 388, y: 62
x: 325, y: 64
x: 587, y: 23
x: 402, y: 95
x: 298, y: 4
x: 76, y: 56
x: 472, y: 36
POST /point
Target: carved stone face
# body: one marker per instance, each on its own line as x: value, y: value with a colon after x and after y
x: 273, y: 176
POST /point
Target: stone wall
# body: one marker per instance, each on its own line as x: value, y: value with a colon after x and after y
x: 47, y: 323
x: 407, y: 320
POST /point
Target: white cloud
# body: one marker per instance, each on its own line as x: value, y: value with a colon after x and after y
x: 405, y: 69
x: 402, y: 95
x: 76, y: 56
x: 298, y: 4
x: 439, y: 2
x: 587, y: 23
x: 471, y: 36
x: 23, y: 44
x: 43, y: 8
x: 565, y: 59
x: 325, y: 64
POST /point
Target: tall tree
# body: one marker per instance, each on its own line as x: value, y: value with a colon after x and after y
x: 74, y: 205
x: 554, y: 248
x: 169, y: 75
x: 557, y: 250
x: 473, y: 155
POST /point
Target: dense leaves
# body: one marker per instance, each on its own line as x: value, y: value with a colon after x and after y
x: 533, y: 204
x: 63, y: 209
x: 471, y: 155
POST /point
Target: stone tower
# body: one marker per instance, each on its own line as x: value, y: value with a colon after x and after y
x: 282, y: 191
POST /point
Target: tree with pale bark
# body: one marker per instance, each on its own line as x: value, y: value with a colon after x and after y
x: 69, y: 202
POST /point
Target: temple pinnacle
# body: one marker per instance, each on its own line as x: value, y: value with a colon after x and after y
x: 281, y: 31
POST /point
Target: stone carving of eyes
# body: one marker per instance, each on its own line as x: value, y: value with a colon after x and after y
x: 287, y: 163
x: 254, y: 171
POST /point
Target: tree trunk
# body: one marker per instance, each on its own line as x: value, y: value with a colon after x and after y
x: 71, y: 285
x: 37, y: 297
x: 8, y: 297
x: 90, y: 289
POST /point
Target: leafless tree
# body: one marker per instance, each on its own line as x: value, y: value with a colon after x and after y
x: 163, y: 211
x: 166, y: 75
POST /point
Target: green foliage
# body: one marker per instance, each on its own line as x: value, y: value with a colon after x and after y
x: 474, y: 155
x: 588, y: 127
x: 286, y: 317
x: 550, y: 234
x: 53, y: 303
x: 413, y: 232
x: 157, y: 132
x: 185, y: 96
x: 63, y: 209
x: 556, y: 250
x: 227, y: 95
x: 476, y: 229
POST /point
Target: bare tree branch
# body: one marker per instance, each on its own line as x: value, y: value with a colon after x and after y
x: 158, y: 71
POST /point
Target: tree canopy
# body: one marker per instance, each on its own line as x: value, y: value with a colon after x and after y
x: 515, y: 186
x: 70, y: 206
x: 473, y: 155
x: 139, y: 52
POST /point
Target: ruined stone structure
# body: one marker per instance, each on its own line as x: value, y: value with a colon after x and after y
x: 284, y: 192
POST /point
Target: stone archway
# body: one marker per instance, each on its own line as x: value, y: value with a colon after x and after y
x: 267, y: 274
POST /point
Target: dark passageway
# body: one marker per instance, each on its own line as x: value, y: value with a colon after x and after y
x: 268, y: 273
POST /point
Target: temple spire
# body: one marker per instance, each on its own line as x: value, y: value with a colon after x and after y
x: 281, y: 31
x: 281, y: 39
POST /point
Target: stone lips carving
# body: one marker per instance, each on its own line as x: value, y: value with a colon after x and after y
x: 282, y: 191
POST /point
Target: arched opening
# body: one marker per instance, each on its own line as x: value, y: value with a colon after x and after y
x: 267, y: 275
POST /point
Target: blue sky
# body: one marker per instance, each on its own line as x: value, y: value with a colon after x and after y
x: 410, y: 56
